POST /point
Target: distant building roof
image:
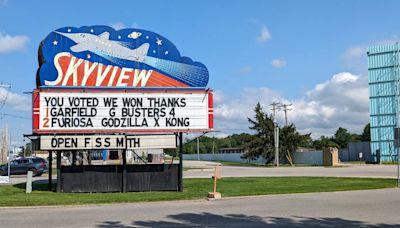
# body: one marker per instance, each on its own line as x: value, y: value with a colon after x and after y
x: 231, y: 150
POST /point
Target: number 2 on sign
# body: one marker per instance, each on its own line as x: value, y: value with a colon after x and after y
x: 46, y: 119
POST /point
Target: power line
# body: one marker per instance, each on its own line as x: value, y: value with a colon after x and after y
x: 2, y: 115
x: 3, y: 102
x: 275, y: 107
x: 286, y: 108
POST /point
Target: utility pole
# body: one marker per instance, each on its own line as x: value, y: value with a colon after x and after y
x: 275, y: 107
x: 5, y: 148
x: 276, y: 136
x: 286, y: 108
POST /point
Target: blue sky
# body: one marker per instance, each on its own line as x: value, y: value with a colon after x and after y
x: 308, y: 53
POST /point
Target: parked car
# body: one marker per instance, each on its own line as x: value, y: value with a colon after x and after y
x: 38, y: 166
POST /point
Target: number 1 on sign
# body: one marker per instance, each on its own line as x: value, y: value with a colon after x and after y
x: 46, y: 119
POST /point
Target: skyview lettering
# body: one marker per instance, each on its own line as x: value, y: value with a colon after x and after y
x: 74, y: 71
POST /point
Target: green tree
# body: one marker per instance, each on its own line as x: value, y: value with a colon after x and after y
x: 263, y: 142
x: 366, y: 135
x: 324, y: 142
x: 207, y: 144
x: 289, y: 141
x: 342, y: 137
x: 25, y: 150
x: 28, y: 150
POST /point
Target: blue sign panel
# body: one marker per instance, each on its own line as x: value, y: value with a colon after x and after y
x: 99, y: 56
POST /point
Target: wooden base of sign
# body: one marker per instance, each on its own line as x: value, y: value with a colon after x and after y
x: 214, y: 195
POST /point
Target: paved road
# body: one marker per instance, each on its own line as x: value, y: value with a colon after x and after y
x: 371, y: 208
x: 385, y: 171
x: 205, y: 169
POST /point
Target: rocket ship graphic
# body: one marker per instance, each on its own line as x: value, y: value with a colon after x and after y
x: 102, y: 45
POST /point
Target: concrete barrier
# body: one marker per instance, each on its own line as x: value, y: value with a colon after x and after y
x: 305, y: 158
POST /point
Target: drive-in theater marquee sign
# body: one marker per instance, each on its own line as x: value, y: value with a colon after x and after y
x: 96, y: 79
x: 97, y: 83
x: 116, y: 112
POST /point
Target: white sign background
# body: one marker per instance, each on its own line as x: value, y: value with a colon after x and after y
x: 123, y: 111
x: 88, y: 142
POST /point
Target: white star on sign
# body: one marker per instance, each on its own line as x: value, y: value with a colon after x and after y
x: 159, y: 42
x: 69, y: 30
x: 88, y: 56
x: 91, y: 30
x: 119, y: 37
x: 166, y: 52
x: 55, y: 42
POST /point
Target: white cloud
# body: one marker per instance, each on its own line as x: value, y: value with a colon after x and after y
x: 355, y: 52
x: 13, y: 101
x: 279, y: 63
x: 12, y: 43
x: 120, y: 25
x: 264, y: 34
x: 341, y: 101
x: 355, y: 58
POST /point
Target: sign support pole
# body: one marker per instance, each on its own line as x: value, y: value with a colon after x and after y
x: 73, y: 158
x: 397, y: 146
x: 9, y: 167
x: 50, y: 170
x: 124, y: 170
x: 198, y: 150
x: 180, y: 169
x: 398, y: 168
x: 58, y: 171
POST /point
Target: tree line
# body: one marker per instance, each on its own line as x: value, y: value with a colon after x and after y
x: 262, y: 142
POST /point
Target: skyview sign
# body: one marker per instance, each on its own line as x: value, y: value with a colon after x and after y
x: 99, y: 56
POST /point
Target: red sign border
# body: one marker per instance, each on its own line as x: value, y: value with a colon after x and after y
x: 36, y: 110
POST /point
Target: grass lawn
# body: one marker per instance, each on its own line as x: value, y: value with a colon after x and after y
x: 389, y: 163
x: 193, y: 189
